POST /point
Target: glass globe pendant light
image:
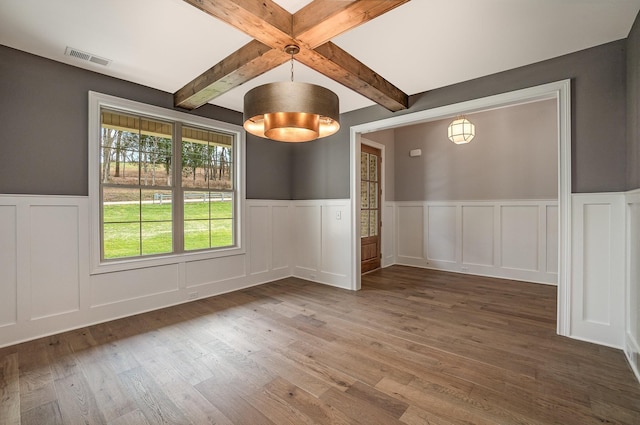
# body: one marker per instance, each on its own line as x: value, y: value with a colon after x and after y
x: 461, y: 131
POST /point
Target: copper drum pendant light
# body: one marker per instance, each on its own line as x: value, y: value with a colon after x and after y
x: 290, y: 111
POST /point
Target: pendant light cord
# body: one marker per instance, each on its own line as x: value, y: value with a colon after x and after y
x: 292, y: 67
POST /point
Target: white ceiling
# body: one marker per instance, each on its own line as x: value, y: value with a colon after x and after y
x: 419, y: 46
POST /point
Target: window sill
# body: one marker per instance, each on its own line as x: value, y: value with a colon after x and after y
x: 163, y: 260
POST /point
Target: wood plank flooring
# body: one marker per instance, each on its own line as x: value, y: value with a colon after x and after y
x: 413, y: 347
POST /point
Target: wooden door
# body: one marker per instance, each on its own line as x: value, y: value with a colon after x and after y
x: 370, y: 218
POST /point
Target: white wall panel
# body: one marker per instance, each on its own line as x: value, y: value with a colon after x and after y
x: 519, y: 237
x: 632, y: 346
x: 280, y: 237
x: 307, y: 243
x: 596, y: 264
x: 109, y: 288
x: 336, y: 239
x: 388, y: 235
x: 551, y: 238
x: 8, y: 265
x: 597, y: 287
x: 477, y: 235
x: 259, y: 218
x: 410, y: 231
x: 54, y: 260
x: 509, y: 239
x: 214, y: 270
x: 442, y: 233
x: 45, y: 267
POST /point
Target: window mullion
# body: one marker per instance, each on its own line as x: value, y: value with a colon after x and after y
x: 178, y: 192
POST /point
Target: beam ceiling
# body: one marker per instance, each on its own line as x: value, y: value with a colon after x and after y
x: 311, y: 28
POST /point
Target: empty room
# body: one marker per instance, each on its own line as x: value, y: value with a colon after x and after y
x: 319, y: 212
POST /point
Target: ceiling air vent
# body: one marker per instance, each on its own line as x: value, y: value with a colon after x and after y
x: 79, y: 54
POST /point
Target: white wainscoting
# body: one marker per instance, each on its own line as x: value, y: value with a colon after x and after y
x: 46, y: 285
x: 388, y: 234
x: 598, y: 268
x: 507, y: 239
x: 632, y: 293
x: 322, y: 242
x: 269, y: 238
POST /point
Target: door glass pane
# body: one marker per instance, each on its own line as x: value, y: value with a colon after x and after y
x: 373, y: 168
x: 364, y: 164
x: 373, y: 223
x: 364, y: 195
x: 373, y: 195
x: 364, y: 223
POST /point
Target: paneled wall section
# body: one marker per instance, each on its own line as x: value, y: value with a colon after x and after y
x: 46, y: 286
x: 508, y: 239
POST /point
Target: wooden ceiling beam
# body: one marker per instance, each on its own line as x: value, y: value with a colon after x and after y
x: 264, y: 20
x: 273, y: 28
x: 333, y: 62
x: 322, y: 20
x: 250, y: 61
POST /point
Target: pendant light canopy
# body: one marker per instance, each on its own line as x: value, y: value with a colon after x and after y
x: 290, y: 111
x: 461, y: 131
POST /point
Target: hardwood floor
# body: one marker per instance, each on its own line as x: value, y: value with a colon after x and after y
x: 413, y: 347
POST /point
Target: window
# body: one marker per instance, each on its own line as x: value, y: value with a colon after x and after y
x: 165, y: 184
x: 135, y: 178
x: 207, y: 183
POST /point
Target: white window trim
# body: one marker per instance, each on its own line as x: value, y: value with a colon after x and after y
x: 100, y: 100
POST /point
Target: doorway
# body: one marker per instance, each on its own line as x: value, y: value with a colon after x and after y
x: 561, y: 92
x: 370, y: 213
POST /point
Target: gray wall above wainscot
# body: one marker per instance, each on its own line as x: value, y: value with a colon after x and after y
x: 514, y: 155
x: 598, y: 74
x: 44, y: 121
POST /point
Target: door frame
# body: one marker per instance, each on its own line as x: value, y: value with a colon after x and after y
x: 381, y: 202
x: 561, y: 92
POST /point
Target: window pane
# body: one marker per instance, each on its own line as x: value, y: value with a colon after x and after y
x: 222, y: 160
x: 119, y: 166
x: 121, y: 240
x: 196, y: 165
x: 208, y: 219
x: 120, y: 205
x: 157, y: 238
x: 221, y: 233
x: 156, y: 205
x: 196, y: 206
x: 155, y: 161
x: 196, y: 234
x: 221, y: 205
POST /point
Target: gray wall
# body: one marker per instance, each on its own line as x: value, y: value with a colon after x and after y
x: 514, y: 155
x: 633, y: 106
x: 268, y: 169
x: 44, y: 115
x: 321, y: 168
